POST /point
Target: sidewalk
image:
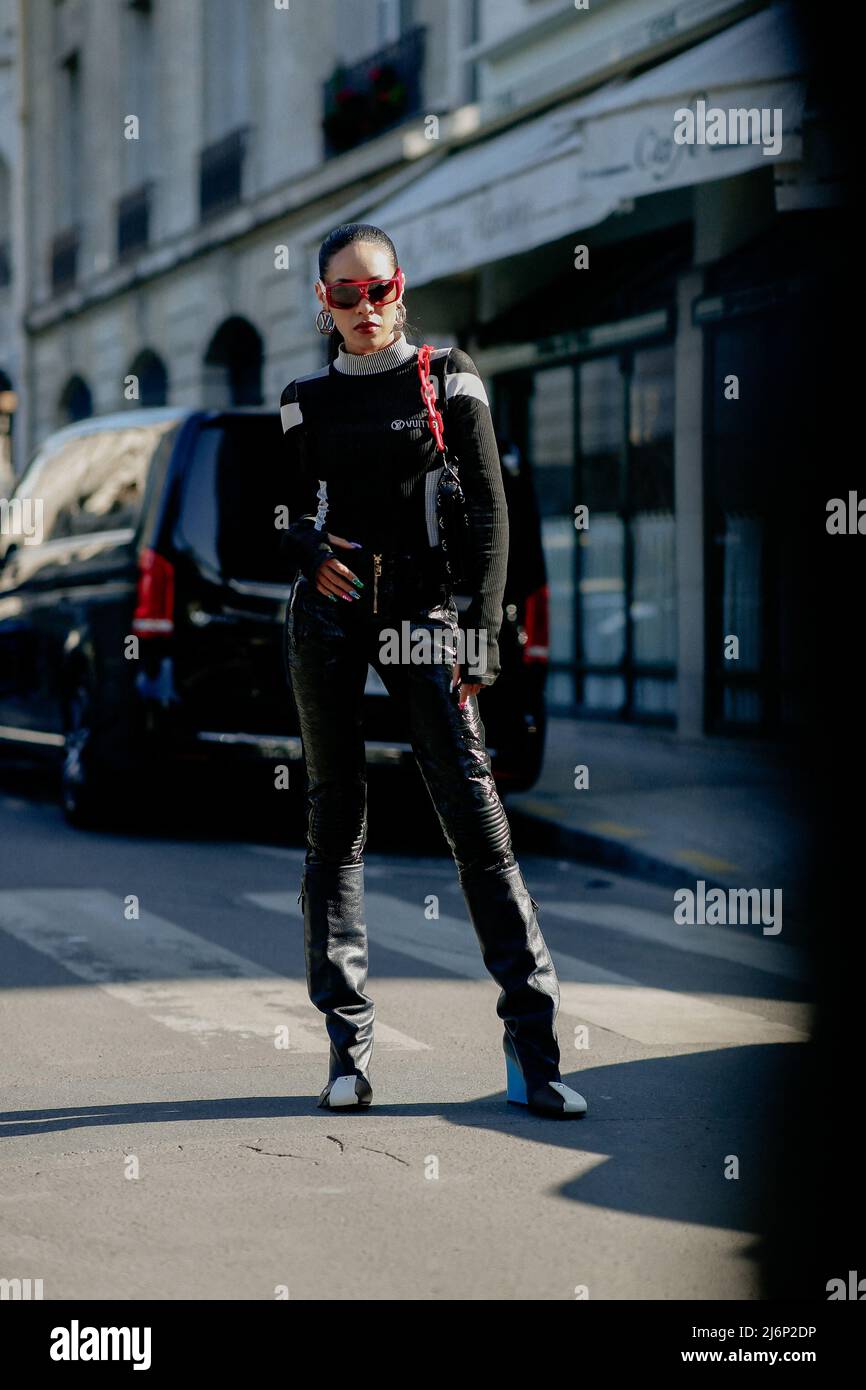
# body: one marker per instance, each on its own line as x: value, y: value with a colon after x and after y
x: 671, y: 811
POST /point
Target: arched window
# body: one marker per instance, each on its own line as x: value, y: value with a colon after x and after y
x: 76, y: 402
x: 152, y: 379
x: 233, y: 365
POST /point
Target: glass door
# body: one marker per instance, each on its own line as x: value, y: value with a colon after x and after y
x: 652, y: 534
x: 626, y: 581
x: 599, y: 437
x: 601, y: 532
x: 552, y: 451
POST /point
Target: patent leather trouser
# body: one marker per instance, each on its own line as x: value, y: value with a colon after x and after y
x: 328, y: 650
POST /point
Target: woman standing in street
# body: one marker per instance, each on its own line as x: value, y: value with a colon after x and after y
x: 363, y: 455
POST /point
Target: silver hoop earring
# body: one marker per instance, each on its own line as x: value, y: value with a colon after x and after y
x: 325, y: 321
x: 400, y: 316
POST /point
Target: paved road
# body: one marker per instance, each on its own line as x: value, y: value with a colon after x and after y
x: 155, y: 1142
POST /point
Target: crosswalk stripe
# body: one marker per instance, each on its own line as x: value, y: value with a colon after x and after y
x: 391, y: 923
x: 661, y: 1017
x: 759, y: 952
x: 177, y: 978
x: 587, y: 991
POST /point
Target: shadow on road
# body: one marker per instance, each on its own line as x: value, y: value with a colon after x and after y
x: 679, y: 1139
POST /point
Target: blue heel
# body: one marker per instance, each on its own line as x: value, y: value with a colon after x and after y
x: 552, y: 1099
x: 515, y: 1086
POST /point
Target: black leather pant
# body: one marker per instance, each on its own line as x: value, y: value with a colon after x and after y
x: 328, y: 647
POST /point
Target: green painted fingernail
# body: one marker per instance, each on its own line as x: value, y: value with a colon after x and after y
x: 359, y: 583
x: 332, y: 597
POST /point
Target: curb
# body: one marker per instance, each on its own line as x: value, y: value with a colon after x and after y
x: 550, y: 837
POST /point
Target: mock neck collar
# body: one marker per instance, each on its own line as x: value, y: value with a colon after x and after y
x: 382, y: 360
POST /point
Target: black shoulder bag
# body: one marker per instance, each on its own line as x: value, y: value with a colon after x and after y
x: 455, y: 531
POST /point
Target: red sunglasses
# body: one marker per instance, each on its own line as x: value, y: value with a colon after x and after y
x: 347, y: 293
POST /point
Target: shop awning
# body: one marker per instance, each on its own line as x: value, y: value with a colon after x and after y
x: 571, y: 168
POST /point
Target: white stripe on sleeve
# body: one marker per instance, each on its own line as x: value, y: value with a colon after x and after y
x: 465, y: 384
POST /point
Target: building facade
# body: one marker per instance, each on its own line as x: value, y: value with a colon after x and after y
x: 11, y: 355
x: 633, y: 300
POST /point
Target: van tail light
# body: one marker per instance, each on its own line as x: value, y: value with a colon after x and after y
x: 535, y: 638
x: 154, y: 612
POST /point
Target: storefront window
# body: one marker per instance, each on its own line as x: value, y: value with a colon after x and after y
x: 551, y: 430
x: 601, y: 582
x: 627, y: 580
x: 651, y: 503
x: 753, y: 410
x: 600, y: 437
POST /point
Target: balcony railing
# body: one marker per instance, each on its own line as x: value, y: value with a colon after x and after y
x: 221, y: 173
x: 133, y: 220
x: 64, y: 258
x: 375, y: 95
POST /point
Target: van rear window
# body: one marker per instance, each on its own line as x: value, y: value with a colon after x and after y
x: 94, y: 481
x: 235, y: 481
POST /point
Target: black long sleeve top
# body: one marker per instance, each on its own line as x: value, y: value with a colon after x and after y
x: 364, y: 465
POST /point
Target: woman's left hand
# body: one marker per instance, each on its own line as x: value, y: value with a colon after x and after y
x: 467, y: 688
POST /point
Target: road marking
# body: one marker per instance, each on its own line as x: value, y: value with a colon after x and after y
x: 179, y: 979
x: 398, y: 926
x: 699, y: 860
x: 588, y: 992
x: 13, y: 734
x: 663, y: 1017
x: 758, y: 952
x: 538, y: 807
x: 612, y: 827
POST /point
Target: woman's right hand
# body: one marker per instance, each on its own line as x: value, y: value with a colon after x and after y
x: 333, y: 578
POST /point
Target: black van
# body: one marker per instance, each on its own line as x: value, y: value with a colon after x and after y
x: 143, y: 590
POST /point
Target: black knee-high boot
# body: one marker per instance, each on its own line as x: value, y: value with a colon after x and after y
x: 503, y: 913
x: 335, y: 949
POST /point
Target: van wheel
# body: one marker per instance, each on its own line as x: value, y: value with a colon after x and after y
x: 82, y: 786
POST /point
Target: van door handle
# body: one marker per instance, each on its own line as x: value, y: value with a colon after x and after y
x: 199, y: 617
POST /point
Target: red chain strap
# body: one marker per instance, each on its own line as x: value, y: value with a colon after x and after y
x: 428, y: 395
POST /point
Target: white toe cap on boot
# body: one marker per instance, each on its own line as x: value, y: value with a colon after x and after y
x: 573, y: 1102
x: 343, y: 1092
